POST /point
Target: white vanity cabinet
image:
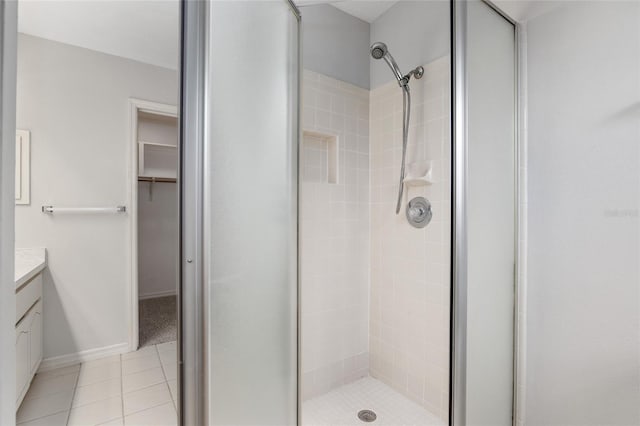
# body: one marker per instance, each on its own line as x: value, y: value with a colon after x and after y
x: 28, y: 334
x: 22, y: 359
x: 35, y: 337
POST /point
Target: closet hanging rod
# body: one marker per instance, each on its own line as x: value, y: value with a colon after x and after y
x: 156, y: 179
x: 52, y: 209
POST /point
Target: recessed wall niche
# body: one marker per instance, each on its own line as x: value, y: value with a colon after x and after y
x: 319, y: 157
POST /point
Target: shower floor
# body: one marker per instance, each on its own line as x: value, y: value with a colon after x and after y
x: 340, y: 407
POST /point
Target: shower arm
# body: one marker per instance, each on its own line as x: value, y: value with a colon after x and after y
x: 403, y: 80
x: 417, y: 72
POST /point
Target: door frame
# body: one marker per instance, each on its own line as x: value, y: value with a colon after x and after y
x: 136, y: 106
x: 8, y: 81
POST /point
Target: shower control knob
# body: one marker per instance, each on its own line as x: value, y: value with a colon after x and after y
x: 419, y: 212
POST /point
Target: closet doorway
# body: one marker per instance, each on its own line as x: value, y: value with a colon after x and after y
x: 155, y: 227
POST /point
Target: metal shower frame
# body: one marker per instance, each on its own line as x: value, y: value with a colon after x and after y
x: 459, y: 180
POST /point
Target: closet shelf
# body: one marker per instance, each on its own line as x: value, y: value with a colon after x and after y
x: 157, y: 160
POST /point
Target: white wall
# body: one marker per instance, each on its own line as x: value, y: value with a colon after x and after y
x: 409, y: 308
x: 75, y: 103
x: 8, y: 27
x: 334, y: 237
x: 584, y: 182
x: 336, y: 44
x: 416, y: 32
x: 158, y: 239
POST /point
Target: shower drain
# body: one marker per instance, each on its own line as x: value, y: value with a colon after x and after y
x: 367, y: 416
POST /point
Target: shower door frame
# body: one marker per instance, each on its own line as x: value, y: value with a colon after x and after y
x: 191, y: 337
x: 193, y: 291
x: 459, y: 180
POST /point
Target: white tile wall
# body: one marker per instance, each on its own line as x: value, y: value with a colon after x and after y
x: 409, y: 310
x: 375, y: 291
x: 334, y: 235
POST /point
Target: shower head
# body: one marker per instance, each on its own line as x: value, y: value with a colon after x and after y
x: 379, y: 51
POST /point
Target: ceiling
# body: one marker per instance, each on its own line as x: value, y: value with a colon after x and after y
x: 370, y: 10
x: 523, y: 10
x: 366, y: 10
x: 146, y: 31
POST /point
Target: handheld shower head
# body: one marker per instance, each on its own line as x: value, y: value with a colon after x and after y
x: 379, y: 50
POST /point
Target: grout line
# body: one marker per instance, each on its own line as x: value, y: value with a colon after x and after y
x: 48, y: 395
x: 42, y: 417
x: 149, y: 408
x: 98, y: 382
x: 121, y: 391
x: 73, y: 396
x: 166, y: 381
x: 145, y: 387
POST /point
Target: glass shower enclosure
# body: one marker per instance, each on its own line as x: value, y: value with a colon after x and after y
x: 240, y: 323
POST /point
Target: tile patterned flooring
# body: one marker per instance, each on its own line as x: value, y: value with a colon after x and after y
x: 140, y: 389
x: 340, y: 407
x: 133, y: 389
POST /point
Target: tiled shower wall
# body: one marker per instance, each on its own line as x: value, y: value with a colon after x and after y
x: 334, y: 233
x: 409, y: 330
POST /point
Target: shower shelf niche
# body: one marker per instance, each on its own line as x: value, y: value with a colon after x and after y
x: 419, y: 174
x: 319, y: 157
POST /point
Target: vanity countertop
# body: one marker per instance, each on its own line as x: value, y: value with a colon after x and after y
x: 29, y: 262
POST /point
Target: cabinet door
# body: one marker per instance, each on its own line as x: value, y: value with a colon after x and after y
x: 22, y: 358
x: 35, y: 338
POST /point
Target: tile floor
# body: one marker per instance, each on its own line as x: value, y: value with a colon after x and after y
x: 134, y: 389
x: 340, y: 407
x: 140, y: 389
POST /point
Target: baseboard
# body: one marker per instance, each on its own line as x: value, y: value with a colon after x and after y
x: 157, y: 294
x: 83, y: 356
